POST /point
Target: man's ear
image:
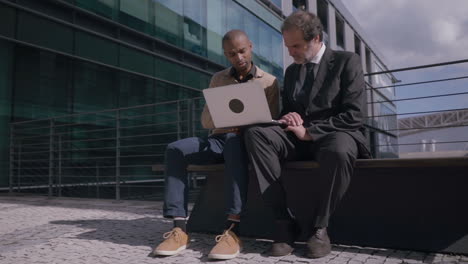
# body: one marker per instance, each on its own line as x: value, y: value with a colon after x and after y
x: 316, y: 39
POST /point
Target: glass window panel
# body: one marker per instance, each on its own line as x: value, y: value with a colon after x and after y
x: 277, y: 48
x: 195, y: 79
x: 357, y: 45
x: 96, y: 48
x: 6, y: 53
x: 252, y: 28
x: 381, y: 80
x: 216, y: 25
x: 7, y: 26
x: 135, y: 90
x: 168, y: 21
x: 340, y: 31
x: 166, y: 92
x: 196, y: 11
x: 255, y: 7
x: 234, y: 19
x: 44, y: 33
x: 368, y: 64
x: 95, y: 24
x: 168, y: 70
x: 187, y: 93
x: 194, y: 26
x: 277, y: 3
x: 42, y: 84
x: 277, y: 64
x: 265, y: 41
x: 6, y: 73
x: 101, y: 7
x: 175, y: 6
x: 265, y: 52
x: 48, y: 7
x: 322, y: 12
x: 136, y: 61
x: 136, y: 14
x: 95, y: 88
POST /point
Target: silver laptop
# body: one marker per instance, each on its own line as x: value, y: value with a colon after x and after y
x: 238, y: 105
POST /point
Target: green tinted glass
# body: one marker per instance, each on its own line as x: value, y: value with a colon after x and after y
x: 44, y: 32
x: 7, y: 26
x: 136, y: 61
x: 96, y: 48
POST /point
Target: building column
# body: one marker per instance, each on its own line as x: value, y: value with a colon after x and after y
x: 312, y: 6
x: 332, y: 27
x: 348, y: 37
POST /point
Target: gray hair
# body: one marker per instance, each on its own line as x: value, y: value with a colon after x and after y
x: 306, y: 22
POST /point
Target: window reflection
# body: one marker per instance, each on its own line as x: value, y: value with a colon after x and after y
x: 216, y: 27
x: 168, y: 21
x: 135, y: 14
x: 194, y: 26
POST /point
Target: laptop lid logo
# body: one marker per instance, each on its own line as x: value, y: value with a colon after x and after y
x: 236, y: 106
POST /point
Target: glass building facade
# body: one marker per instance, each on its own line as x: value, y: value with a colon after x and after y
x: 76, y: 56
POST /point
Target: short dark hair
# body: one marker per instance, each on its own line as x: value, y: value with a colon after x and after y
x: 232, y: 34
x: 306, y: 22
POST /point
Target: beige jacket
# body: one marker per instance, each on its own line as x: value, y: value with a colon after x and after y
x: 268, y: 81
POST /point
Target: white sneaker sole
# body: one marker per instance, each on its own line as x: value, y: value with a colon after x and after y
x: 169, y: 253
x: 223, y: 256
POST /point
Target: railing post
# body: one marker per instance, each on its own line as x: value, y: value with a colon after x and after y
x: 178, y: 119
x: 97, y: 180
x: 117, y: 156
x: 51, y: 156
x: 192, y: 117
x: 18, y: 182
x: 189, y: 118
x: 12, y: 155
x: 60, y: 165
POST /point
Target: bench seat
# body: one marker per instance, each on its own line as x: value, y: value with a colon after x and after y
x: 418, y: 204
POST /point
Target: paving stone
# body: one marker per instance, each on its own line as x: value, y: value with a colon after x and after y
x: 36, y: 229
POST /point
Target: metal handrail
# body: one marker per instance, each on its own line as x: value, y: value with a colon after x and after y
x: 60, y: 153
x: 126, y: 142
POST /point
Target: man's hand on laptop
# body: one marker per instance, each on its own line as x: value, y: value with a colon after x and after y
x: 295, y: 125
x: 292, y: 119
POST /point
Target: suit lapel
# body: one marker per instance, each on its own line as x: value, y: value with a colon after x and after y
x: 326, y: 64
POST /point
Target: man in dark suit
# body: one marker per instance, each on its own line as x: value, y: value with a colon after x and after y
x: 323, y: 105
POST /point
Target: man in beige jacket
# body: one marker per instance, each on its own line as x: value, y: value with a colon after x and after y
x: 223, y: 145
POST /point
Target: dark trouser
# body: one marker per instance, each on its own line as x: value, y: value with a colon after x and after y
x: 227, y: 148
x: 268, y: 147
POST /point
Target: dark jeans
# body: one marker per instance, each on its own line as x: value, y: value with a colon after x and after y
x: 219, y: 148
x: 268, y: 147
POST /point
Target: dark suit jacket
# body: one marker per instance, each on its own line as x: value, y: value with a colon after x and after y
x: 337, y: 98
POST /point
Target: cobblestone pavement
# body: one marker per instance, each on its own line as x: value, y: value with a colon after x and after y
x: 36, y: 229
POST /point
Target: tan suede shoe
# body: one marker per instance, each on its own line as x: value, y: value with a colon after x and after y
x: 174, y: 242
x: 228, y: 246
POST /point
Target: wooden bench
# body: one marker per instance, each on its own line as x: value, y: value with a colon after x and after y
x: 418, y: 204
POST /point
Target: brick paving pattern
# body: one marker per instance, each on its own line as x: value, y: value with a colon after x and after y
x: 35, y: 229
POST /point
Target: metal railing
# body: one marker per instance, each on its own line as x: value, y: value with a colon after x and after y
x: 425, y: 114
x: 109, y: 154
x: 99, y: 154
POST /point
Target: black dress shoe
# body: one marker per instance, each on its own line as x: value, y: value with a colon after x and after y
x: 283, y: 237
x: 319, y: 244
x: 279, y: 249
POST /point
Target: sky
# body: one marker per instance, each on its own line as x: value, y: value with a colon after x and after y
x: 417, y: 32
